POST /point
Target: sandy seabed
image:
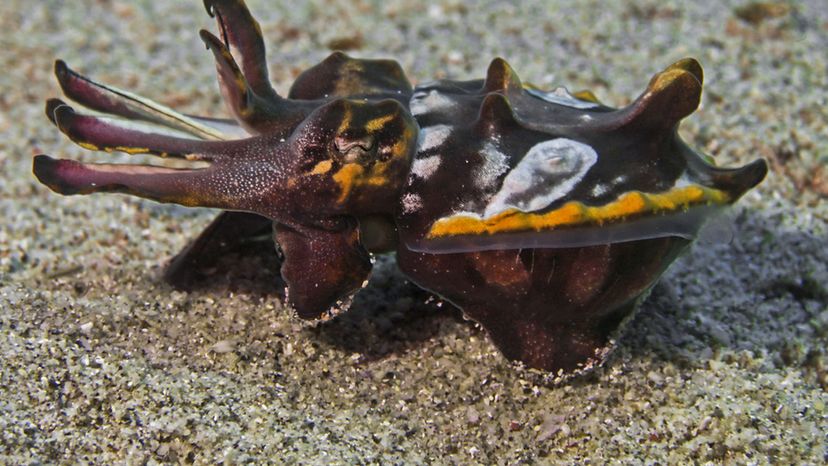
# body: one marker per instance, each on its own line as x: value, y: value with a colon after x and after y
x: 101, y: 362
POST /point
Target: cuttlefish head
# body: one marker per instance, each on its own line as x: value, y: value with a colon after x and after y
x: 345, y: 158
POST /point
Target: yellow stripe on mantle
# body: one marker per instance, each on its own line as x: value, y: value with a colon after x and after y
x: 634, y: 203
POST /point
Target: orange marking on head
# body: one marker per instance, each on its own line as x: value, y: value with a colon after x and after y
x: 377, y: 123
x: 348, y: 177
x: 346, y: 120
x: 322, y: 167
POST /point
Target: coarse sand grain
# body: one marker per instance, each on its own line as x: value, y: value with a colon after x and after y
x: 101, y: 362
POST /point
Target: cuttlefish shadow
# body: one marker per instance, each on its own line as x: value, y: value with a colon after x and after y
x: 389, y: 316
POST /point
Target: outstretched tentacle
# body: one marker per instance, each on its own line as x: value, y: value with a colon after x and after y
x: 110, y: 99
x: 223, y: 185
x: 242, y: 35
x: 258, y: 114
x: 245, y: 175
x: 97, y: 133
x: 181, y: 186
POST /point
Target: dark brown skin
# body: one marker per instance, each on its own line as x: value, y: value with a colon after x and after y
x: 230, y: 232
x: 549, y: 308
x: 544, y: 216
x: 319, y: 265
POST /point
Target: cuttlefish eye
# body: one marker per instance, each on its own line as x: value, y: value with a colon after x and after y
x: 370, y: 132
x: 355, y: 150
x: 361, y: 149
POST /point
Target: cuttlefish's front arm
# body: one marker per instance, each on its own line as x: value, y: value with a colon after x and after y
x: 243, y: 79
x: 346, y: 160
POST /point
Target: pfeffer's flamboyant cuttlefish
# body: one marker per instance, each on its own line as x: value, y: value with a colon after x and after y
x: 544, y: 216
